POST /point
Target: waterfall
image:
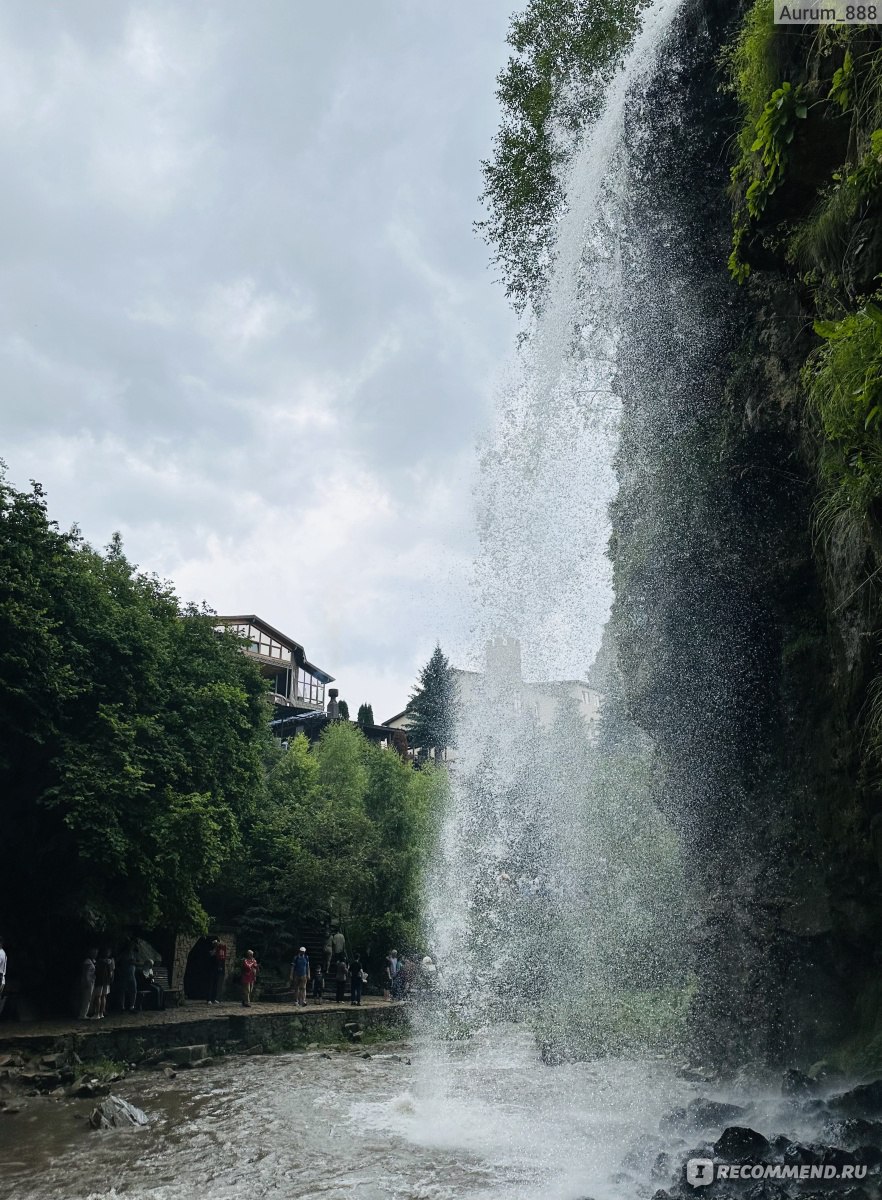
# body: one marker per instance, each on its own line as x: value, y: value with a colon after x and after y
x: 535, y: 893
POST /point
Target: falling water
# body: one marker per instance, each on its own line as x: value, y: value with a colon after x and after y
x: 535, y: 876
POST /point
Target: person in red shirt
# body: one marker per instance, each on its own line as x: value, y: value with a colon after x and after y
x: 250, y: 967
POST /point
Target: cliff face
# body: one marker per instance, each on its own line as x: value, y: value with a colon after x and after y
x: 747, y: 615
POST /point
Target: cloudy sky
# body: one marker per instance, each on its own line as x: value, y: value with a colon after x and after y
x: 244, y: 318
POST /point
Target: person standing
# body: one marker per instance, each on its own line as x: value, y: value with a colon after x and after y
x: 358, y: 978
x: 408, y: 975
x: 328, y: 953
x: 300, y: 976
x: 217, y: 958
x: 250, y: 968
x: 342, y: 976
x: 86, y: 984
x: 127, y: 966
x: 390, y: 984
x: 318, y: 983
x: 105, y: 968
x: 338, y: 943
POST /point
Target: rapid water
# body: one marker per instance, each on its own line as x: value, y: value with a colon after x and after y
x: 537, y: 877
x: 301, y: 1125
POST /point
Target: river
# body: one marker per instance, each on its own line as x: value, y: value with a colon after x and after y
x: 474, y: 1121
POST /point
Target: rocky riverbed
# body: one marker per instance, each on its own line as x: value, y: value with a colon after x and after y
x: 480, y: 1120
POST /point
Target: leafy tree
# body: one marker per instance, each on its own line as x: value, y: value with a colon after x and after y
x: 131, y: 742
x: 564, y: 54
x: 432, y: 705
x: 365, y: 715
x: 343, y: 834
x: 343, y: 710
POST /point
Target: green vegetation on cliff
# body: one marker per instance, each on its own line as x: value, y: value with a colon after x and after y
x: 807, y: 189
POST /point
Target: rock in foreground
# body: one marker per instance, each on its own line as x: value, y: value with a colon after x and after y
x: 116, y: 1113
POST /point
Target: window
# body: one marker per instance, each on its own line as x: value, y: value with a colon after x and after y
x: 310, y: 689
x: 260, y: 642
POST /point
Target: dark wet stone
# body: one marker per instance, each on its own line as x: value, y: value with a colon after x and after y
x: 737, y: 1142
x: 661, y: 1168
x: 853, y: 1132
x: 835, y: 1156
x: 702, y: 1113
x: 641, y: 1156
x: 88, y: 1088
x: 869, y: 1157
x: 767, y: 1189
x: 865, y: 1100
x: 675, y: 1119
x: 800, y: 1154
x: 797, y: 1083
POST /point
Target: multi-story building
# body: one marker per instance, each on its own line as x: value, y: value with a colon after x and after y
x: 296, y: 683
x: 540, y: 701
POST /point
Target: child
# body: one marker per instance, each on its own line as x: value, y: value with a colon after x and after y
x: 250, y: 967
x: 318, y: 983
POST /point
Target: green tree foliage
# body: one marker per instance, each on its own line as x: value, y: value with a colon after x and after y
x: 433, y: 704
x: 343, y: 709
x: 131, y: 740
x: 342, y: 836
x: 365, y: 715
x: 564, y: 54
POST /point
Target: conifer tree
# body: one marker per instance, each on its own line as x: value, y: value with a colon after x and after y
x: 365, y: 715
x: 432, y: 705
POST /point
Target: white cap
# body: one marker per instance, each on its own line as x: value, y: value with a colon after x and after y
x: 302, y: 949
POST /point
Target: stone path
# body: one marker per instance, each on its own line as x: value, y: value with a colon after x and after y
x: 194, y: 1010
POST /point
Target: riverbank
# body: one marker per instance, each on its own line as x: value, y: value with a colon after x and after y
x: 223, y: 1029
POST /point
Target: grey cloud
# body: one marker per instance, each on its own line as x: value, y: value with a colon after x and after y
x: 240, y: 271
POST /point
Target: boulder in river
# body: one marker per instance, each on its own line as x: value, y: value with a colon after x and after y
x: 865, y: 1100
x: 702, y: 1113
x: 853, y: 1132
x: 116, y: 1113
x: 85, y: 1087
x: 737, y: 1143
x: 676, y: 1119
x: 797, y: 1083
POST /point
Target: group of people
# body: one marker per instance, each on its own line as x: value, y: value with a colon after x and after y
x: 135, y: 984
x: 402, y: 977
x: 102, y: 974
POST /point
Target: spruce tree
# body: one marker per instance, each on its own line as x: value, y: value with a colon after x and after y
x: 432, y: 705
x: 365, y: 715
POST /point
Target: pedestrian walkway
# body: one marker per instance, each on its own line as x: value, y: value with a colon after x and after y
x: 194, y: 1010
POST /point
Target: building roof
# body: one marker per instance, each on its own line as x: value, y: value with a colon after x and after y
x: 253, y: 619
